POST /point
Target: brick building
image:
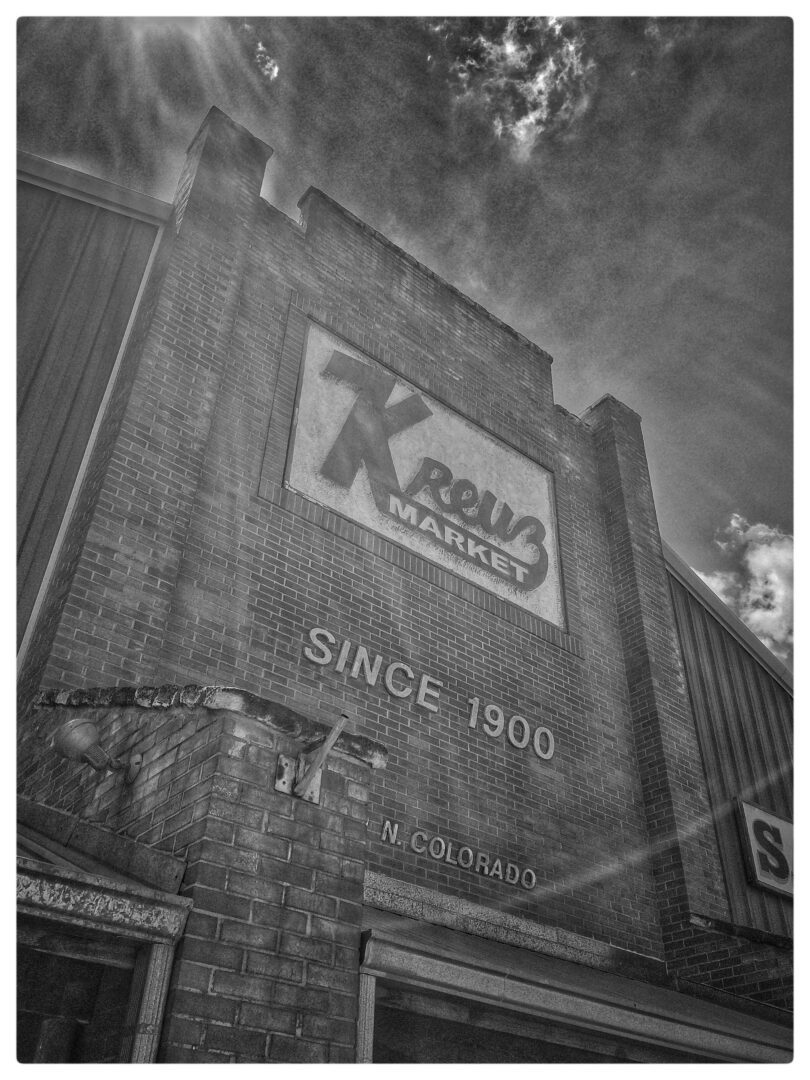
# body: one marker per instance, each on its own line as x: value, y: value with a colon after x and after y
x: 364, y: 715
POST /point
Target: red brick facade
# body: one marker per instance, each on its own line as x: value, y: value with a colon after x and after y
x: 267, y: 968
x: 191, y: 561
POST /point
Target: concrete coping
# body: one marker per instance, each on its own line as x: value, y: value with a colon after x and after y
x: 216, y: 121
x: 603, y: 400
x: 313, y: 192
x: 280, y: 718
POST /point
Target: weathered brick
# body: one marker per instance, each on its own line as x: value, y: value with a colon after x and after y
x: 311, y: 901
x: 334, y: 978
x: 264, y: 843
x: 186, y: 1032
x: 344, y: 1055
x: 179, y: 1055
x: 207, y: 874
x: 341, y: 887
x: 275, y: 967
x: 244, y: 1043
x: 190, y: 976
x: 241, y: 987
x: 308, y: 948
x: 298, y: 1051
x: 221, y: 903
x: 207, y: 1006
x: 254, y: 937
x: 299, y: 997
x: 267, y: 1018
x: 274, y: 915
x: 188, y: 561
x: 330, y: 930
x: 284, y: 873
x: 329, y: 1029
x: 210, y: 952
x: 247, y: 884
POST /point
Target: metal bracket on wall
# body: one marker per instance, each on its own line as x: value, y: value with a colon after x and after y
x: 301, y: 776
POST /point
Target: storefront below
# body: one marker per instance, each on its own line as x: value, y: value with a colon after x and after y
x: 430, y: 994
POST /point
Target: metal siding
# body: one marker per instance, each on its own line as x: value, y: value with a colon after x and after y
x: 744, y: 723
x: 79, y: 269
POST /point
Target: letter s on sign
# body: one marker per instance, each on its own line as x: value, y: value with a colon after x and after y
x: 771, y: 857
x: 768, y: 847
x: 320, y: 637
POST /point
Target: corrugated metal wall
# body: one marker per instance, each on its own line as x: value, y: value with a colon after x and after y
x: 744, y: 720
x: 79, y: 269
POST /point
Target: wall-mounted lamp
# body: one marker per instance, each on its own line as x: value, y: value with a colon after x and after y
x: 78, y: 740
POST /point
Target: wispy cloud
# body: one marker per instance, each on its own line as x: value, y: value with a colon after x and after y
x: 528, y: 74
x: 267, y: 65
x: 759, y: 587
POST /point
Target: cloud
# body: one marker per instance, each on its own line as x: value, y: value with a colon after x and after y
x: 759, y: 589
x: 267, y: 65
x: 528, y: 74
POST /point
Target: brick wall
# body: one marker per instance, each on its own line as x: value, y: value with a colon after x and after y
x: 268, y: 966
x: 200, y: 566
x: 682, y: 838
x: 114, y: 626
x: 734, y: 965
x: 683, y: 842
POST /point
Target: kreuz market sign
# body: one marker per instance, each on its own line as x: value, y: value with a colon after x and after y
x: 374, y: 449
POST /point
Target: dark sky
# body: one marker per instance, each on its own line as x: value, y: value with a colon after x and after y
x: 618, y: 190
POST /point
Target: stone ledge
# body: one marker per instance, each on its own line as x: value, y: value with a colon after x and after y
x: 279, y: 718
x: 554, y: 991
x: 454, y: 912
x: 92, y: 902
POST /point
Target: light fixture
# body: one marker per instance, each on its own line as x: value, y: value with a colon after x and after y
x: 78, y: 740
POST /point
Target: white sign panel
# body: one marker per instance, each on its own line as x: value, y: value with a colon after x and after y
x: 378, y: 451
x: 769, y: 848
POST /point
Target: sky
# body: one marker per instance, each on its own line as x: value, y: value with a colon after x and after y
x: 619, y: 190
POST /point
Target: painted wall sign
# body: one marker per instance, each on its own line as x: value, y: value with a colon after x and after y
x: 372, y: 448
x: 401, y: 681
x: 768, y: 847
x: 461, y: 855
x: 518, y: 730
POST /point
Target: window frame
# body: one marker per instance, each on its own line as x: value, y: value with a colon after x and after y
x: 148, y: 919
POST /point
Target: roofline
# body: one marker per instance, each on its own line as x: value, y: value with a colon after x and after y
x: 403, y: 254
x: 63, y: 179
x: 724, y: 615
x: 92, y: 189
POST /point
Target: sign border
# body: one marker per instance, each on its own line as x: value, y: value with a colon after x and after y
x: 563, y: 627
x: 749, y: 862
